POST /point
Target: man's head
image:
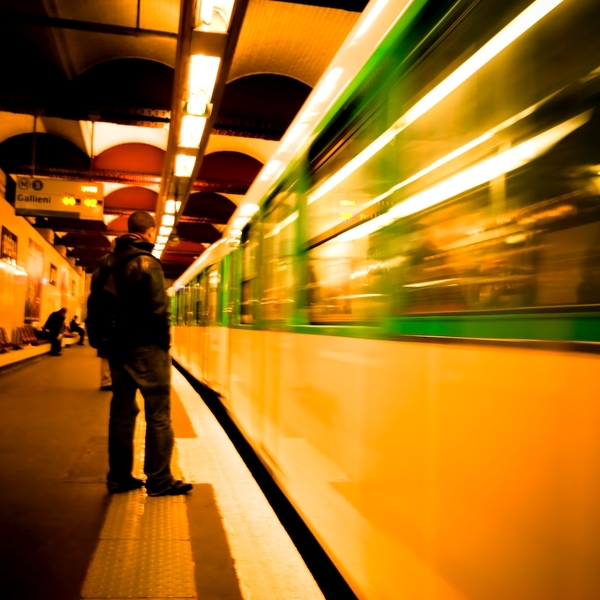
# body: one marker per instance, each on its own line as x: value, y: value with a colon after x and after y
x: 63, y: 311
x: 75, y: 318
x: 142, y: 223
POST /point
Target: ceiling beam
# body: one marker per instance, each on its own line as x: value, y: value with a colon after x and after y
x: 71, y: 225
x: 221, y: 186
x: 43, y: 21
x: 138, y: 116
x: 348, y: 5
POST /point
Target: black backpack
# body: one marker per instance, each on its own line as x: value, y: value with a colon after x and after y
x: 102, y: 304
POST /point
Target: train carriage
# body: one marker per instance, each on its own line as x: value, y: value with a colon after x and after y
x: 403, y: 318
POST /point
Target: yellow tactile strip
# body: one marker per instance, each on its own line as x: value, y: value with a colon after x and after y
x: 141, y: 569
x: 135, y: 516
x: 144, y: 549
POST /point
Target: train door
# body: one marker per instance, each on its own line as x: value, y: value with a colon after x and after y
x: 202, y: 325
x: 211, y: 336
x: 278, y: 292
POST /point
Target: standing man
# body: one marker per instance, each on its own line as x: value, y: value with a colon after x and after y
x: 138, y: 351
x: 54, y: 327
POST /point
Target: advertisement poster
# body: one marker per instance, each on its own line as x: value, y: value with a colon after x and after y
x: 8, y: 247
x: 8, y: 263
x: 35, y: 272
x: 64, y: 288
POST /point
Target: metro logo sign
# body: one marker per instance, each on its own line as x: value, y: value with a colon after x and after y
x: 45, y: 197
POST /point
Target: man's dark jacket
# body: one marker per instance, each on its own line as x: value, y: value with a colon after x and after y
x: 55, y: 323
x: 143, y: 309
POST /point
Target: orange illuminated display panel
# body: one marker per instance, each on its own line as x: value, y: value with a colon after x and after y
x: 46, y: 197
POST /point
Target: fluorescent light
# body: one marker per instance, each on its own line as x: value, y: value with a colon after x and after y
x: 171, y: 207
x: 529, y: 17
x: 159, y: 247
x: 247, y: 210
x: 184, y: 165
x: 214, y: 15
x: 162, y: 239
x: 470, y: 178
x: 191, y: 131
x: 379, y: 6
x: 270, y: 169
x: 198, y: 109
x: 328, y: 87
x: 202, y: 77
x: 168, y: 220
x: 205, y: 8
x: 165, y: 231
x: 240, y: 222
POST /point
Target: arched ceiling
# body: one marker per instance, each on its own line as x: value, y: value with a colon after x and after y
x: 95, y: 80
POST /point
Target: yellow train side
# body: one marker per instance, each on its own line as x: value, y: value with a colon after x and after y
x: 426, y: 470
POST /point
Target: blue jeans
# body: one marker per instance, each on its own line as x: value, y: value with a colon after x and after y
x: 148, y: 369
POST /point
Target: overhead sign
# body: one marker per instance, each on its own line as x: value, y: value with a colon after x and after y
x: 44, y: 197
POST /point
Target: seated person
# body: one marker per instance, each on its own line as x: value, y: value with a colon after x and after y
x: 54, y: 328
x: 76, y: 328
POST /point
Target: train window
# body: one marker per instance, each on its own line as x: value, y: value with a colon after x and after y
x: 346, y: 283
x: 213, y: 289
x: 187, y: 295
x: 487, y: 198
x: 180, y: 307
x: 248, y: 302
x: 279, y: 226
x: 174, y: 303
x: 199, y: 300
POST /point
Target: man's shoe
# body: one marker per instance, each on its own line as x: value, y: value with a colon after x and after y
x: 115, y: 487
x: 106, y: 388
x: 176, y: 489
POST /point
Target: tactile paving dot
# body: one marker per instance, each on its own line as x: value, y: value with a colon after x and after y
x: 164, y: 519
x: 141, y: 569
x: 123, y: 518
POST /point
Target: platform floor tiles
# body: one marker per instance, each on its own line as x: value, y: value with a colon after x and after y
x: 62, y: 537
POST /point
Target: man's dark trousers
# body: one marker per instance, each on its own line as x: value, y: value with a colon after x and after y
x: 148, y: 369
x: 56, y: 341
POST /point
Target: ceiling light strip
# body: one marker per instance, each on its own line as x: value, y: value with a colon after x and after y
x: 529, y: 17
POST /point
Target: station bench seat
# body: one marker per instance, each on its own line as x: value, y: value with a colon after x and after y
x: 5, y: 344
x: 28, y: 336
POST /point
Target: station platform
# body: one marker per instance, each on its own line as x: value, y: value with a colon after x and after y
x: 65, y: 538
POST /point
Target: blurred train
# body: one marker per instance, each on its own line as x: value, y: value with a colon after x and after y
x: 404, y: 316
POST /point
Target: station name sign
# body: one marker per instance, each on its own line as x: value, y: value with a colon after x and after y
x: 46, y: 197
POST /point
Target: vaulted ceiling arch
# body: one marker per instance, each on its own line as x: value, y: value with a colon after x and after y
x: 120, y: 86
x: 133, y: 158
x: 42, y: 152
x: 260, y: 105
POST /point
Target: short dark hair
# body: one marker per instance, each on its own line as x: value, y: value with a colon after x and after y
x: 63, y: 310
x: 140, y: 221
